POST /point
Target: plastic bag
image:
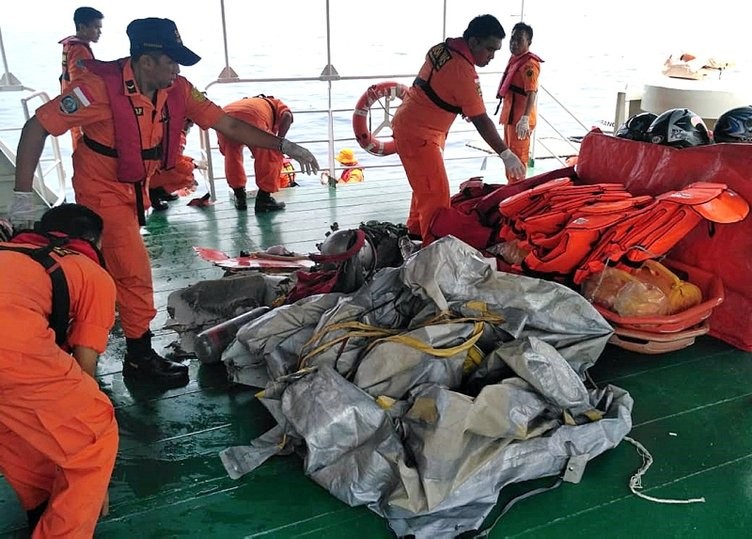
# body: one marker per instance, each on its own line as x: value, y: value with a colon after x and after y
x: 636, y: 298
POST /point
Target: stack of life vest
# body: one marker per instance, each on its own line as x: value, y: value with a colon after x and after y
x: 601, y: 233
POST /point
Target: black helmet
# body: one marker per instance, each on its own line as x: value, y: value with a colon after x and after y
x: 636, y: 127
x: 678, y: 128
x: 354, y: 270
x: 734, y: 125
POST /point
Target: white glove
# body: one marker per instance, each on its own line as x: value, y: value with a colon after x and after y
x: 514, y: 166
x: 22, y: 212
x: 523, y: 128
x: 6, y: 230
x: 308, y: 163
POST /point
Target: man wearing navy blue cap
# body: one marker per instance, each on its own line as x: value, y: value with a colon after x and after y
x: 160, y: 35
x: 132, y: 111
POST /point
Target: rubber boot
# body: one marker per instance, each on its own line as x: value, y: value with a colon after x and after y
x: 33, y: 515
x: 265, y: 203
x: 143, y: 363
x: 162, y: 193
x: 157, y: 201
x: 240, y: 198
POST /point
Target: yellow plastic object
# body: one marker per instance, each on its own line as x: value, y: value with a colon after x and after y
x: 620, y: 291
x: 681, y: 294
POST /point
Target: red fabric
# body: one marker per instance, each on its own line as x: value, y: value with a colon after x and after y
x: 474, y: 213
x: 312, y: 282
x: 463, y: 226
x: 647, y: 169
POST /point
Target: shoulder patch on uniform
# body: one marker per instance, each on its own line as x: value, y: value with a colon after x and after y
x: 76, y: 99
x: 529, y: 73
x: 477, y: 87
x: 197, y: 95
x: 439, y: 55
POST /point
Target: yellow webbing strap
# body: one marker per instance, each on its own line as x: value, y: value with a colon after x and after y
x: 360, y: 330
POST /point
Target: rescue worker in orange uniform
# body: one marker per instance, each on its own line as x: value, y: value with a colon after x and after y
x: 518, y: 92
x: 273, y: 116
x: 132, y: 111
x: 164, y: 183
x: 352, y: 172
x: 77, y: 48
x: 447, y: 85
x: 58, y: 435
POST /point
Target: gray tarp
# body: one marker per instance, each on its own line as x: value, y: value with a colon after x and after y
x: 416, y: 437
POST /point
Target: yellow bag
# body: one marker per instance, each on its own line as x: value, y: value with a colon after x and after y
x: 681, y: 294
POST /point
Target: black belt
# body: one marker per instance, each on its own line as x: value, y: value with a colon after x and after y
x: 150, y: 154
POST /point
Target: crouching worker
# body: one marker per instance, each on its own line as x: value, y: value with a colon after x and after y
x: 58, y: 435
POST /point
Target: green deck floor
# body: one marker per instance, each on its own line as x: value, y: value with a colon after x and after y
x: 693, y: 412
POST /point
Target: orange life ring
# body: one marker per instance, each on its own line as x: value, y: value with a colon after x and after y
x: 367, y: 139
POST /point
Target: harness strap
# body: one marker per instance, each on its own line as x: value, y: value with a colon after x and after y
x: 60, y: 315
x: 150, y: 154
x: 271, y: 104
x: 425, y: 85
x: 515, y: 90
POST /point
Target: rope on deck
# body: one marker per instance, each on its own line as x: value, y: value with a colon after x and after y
x: 635, y: 482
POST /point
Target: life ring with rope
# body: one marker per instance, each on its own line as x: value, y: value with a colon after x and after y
x: 368, y: 139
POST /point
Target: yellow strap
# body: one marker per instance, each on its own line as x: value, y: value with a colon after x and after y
x: 355, y: 329
x: 437, y: 352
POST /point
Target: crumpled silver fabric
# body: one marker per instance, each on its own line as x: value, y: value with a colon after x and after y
x: 393, y: 368
x: 388, y: 426
x: 555, y: 314
x: 460, y: 469
x: 277, y: 337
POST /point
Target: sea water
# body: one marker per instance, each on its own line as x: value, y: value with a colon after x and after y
x: 591, y: 48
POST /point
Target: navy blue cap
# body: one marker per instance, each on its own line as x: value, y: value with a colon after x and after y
x: 159, y: 35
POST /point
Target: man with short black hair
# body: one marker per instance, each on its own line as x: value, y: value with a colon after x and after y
x: 518, y: 92
x: 132, y: 111
x: 77, y: 48
x: 447, y: 85
x: 58, y: 435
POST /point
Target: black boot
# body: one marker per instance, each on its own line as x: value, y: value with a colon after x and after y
x: 143, y: 363
x: 240, y: 198
x: 162, y: 193
x: 157, y: 202
x: 265, y: 203
x: 33, y: 515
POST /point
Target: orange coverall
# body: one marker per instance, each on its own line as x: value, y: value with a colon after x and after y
x: 264, y: 113
x: 58, y: 435
x: 513, y: 108
x: 420, y: 128
x: 73, y: 53
x: 96, y: 186
x: 180, y: 176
